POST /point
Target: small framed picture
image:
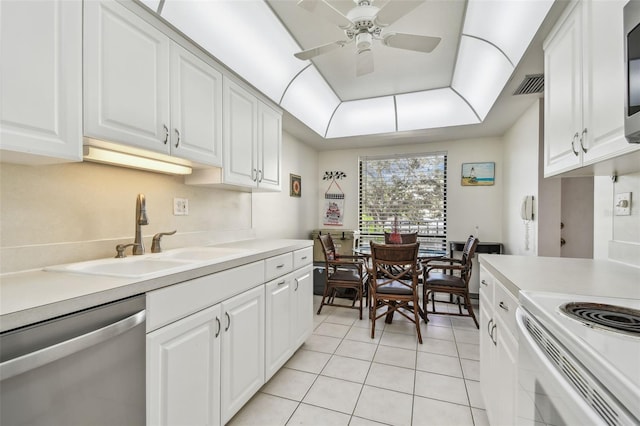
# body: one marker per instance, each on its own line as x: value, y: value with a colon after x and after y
x: 295, y: 185
x: 478, y: 174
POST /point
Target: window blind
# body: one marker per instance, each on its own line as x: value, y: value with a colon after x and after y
x: 410, y: 189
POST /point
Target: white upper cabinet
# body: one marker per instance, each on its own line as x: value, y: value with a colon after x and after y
x: 269, y: 147
x: 252, y: 140
x: 240, y: 135
x: 40, y: 81
x: 196, y: 108
x: 144, y: 90
x: 126, y: 78
x: 584, y: 87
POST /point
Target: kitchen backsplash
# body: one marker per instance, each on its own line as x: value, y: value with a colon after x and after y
x: 70, y: 212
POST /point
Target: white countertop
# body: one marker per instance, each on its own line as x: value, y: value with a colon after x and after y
x: 32, y: 296
x: 564, y: 275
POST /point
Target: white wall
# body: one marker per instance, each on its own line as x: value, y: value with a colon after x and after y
x: 278, y: 215
x: 520, y: 177
x: 470, y: 210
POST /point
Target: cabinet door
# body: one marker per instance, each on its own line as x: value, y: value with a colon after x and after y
x: 183, y: 371
x: 505, y: 376
x: 303, y: 305
x: 563, y: 95
x: 240, y: 137
x: 487, y: 350
x: 604, y: 81
x: 40, y: 76
x: 279, y: 323
x: 242, y: 350
x: 126, y: 78
x: 196, y: 108
x: 269, y: 145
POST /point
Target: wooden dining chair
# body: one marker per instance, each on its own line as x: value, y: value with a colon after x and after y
x: 393, y: 283
x: 450, y: 275
x: 342, y: 273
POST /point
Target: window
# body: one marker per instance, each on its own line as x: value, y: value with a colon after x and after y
x: 410, y: 189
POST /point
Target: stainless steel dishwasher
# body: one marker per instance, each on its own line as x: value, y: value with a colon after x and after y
x: 85, y: 368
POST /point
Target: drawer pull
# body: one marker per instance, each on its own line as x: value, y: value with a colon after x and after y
x: 303, y: 258
x: 504, y: 306
x: 280, y: 266
x: 281, y: 282
x: 484, y: 282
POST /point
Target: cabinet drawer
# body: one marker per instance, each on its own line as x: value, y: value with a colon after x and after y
x: 278, y: 265
x: 177, y: 301
x: 302, y: 257
x: 505, y: 307
x: 487, y: 284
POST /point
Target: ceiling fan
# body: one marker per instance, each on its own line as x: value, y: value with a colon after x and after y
x: 365, y: 23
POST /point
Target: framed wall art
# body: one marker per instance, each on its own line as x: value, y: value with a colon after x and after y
x: 478, y: 174
x: 295, y: 185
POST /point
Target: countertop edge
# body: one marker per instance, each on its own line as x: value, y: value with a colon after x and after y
x: 101, y: 290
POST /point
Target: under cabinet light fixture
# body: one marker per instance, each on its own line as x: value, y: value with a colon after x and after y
x: 123, y: 159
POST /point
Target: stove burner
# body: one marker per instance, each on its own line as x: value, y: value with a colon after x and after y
x: 610, y: 317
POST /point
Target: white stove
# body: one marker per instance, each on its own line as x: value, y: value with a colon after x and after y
x: 597, y: 370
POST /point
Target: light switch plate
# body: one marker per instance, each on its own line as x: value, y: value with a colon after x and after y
x: 623, y: 204
x: 180, y: 206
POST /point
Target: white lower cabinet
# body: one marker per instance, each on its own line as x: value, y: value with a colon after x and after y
x: 498, y: 350
x: 183, y: 371
x: 289, y: 310
x: 242, y: 350
x: 303, y: 305
x: 213, y: 341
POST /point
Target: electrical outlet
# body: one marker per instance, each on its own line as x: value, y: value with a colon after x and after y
x: 180, y: 206
x: 623, y: 204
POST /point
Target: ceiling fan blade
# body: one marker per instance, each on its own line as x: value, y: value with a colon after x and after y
x: 419, y: 43
x: 364, y: 62
x: 394, y: 10
x: 319, y: 50
x: 325, y: 10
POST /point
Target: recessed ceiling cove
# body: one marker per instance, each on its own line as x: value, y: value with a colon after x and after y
x: 453, y: 82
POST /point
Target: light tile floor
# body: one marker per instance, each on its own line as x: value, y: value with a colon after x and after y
x: 340, y: 376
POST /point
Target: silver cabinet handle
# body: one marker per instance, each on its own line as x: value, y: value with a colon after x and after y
x: 280, y: 266
x: 489, y: 328
x: 254, y: 175
x: 228, y: 321
x: 494, y: 339
x: 166, y: 134
x: 36, y: 359
x: 297, y: 282
x: 582, y: 137
x: 177, y: 134
x: 503, y: 306
x: 260, y: 175
x: 281, y: 282
x: 573, y: 142
x: 303, y: 258
x: 219, y: 326
x: 483, y: 282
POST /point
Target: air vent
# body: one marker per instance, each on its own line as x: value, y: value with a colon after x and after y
x: 530, y: 85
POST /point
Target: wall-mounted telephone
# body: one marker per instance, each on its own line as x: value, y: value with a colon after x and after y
x: 527, y: 208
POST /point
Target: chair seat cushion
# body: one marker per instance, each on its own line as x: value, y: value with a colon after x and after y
x: 444, y: 280
x: 394, y: 287
x: 345, y: 275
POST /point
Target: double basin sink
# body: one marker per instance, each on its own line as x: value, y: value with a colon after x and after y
x: 149, y: 265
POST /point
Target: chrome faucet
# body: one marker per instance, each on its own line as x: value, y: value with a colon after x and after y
x: 141, y: 219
